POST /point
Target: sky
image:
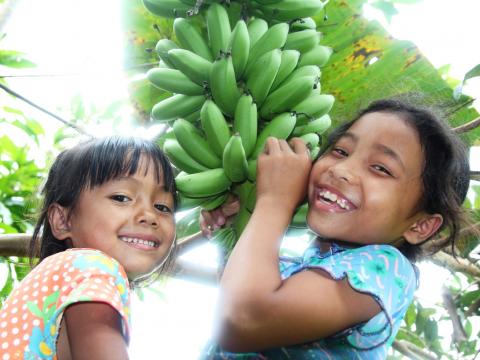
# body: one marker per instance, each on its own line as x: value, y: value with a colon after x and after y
x: 80, y: 40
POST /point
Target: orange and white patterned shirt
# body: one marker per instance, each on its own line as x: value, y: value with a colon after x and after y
x: 30, y: 317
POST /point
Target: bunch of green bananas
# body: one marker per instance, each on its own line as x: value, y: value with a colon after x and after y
x: 232, y: 89
x: 272, y: 10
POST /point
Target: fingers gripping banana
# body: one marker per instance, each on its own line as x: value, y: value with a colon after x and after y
x: 287, y: 96
x: 174, y: 81
x: 262, y: 74
x: 215, y: 127
x: 194, y: 66
x: 274, y: 38
x: 256, y: 29
x: 234, y: 159
x: 177, y: 106
x: 214, y: 202
x: 223, y: 84
x: 207, y: 183
x: 218, y: 26
x: 280, y: 127
x: 162, y: 48
x: 191, y: 139
x: 190, y: 38
x: 240, y: 47
x: 287, y: 65
x: 179, y: 157
x: 245, y: 122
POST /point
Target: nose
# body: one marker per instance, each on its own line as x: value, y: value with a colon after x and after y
x: 343, y: 172
x: 146, y: 216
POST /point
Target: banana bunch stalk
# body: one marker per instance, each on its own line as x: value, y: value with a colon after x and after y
x: 234, y: 83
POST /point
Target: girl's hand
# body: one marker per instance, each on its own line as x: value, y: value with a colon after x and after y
x: 282, y: 173
x: 216, y: 218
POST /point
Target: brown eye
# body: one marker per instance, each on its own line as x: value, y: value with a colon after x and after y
x: 120, y: 198
x: 163, y: 208
x: 340, y: 152
x: 382, y: 169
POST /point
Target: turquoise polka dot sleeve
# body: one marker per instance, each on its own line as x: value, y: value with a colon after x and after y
x: 379, y: 270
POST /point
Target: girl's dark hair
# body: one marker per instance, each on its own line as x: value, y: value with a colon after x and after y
x: 90, y: 164
x: 446, y: 172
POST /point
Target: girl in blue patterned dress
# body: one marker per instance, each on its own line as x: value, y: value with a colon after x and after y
x: 107, y: 223
x: 386, y: 183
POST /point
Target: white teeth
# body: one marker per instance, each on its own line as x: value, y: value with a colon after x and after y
x: 334, y: 198
x: 138, y: 241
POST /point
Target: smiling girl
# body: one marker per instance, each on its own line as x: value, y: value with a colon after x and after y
x: 107, y: 219
x: 386, y: 183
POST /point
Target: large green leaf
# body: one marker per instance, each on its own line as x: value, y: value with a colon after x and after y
x: 368, y: 63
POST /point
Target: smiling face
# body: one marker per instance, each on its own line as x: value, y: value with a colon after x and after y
x: 366, y: 188
x: 130, y: 218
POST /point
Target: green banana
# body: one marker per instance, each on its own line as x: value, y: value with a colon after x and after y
x: 193, y: 117
x: 207, y: 183
x: 176, y: 106
x: 262, y: 74
x: 315, y: 106
x: 303, y: 24
x: 223, y: 84
x: 191, y: 139
x: 252, y: 170
x: 245, y: 122
x: 280, y: 127
x: 308, y: 70
x: 287, y: 65
x: 274, y: 38
x: 167, y: 8
x: 190, y: 38
x: 317, y: 126
x: 179, y: 157
x: 162, y: 48
x: 240, y: 47
x: 319, y: 56
x: 241, y: 220
x: 213, y: 203
x: 218, y: 26
x: 311, y: 140
x: 302, y: 41
x: 299, y: 218
x: 314, y: 153
x: 267, y: 2
x: 187, y: 203
x: 194, y: 66
x: 256, y: 29
x: 234, y: 159
x: 174, y: 81
x: 287, y: 10
x: 287, y: 96
x: 215, y: 127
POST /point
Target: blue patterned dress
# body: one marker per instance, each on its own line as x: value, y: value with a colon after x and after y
x: 379, y: 270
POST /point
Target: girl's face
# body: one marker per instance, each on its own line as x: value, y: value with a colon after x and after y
x: 367, y: 187
x: 130, y: 218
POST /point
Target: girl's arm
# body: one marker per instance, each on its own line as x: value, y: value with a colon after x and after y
x: 94, y: 332
x: 257, y: 309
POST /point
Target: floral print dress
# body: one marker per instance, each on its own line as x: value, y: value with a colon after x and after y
x: 379, y: 270
x: 30, y: 318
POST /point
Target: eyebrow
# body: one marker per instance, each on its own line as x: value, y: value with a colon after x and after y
x: 380, y: 147
x: 138, y: 182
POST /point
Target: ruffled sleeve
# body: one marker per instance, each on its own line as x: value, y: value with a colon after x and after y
x: 382, y: 272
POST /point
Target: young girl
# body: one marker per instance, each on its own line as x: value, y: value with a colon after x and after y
x: 387, y: 182
x: 107, y: 219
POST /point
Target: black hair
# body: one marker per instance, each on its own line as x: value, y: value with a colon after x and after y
x: 446, y: 171
x: 85, y: 166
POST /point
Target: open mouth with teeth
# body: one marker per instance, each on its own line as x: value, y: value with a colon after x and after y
x: 140, y: 243
x: 333, y: 199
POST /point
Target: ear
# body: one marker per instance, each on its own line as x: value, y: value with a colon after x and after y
x: 58, y: 219
x: 423, y: 228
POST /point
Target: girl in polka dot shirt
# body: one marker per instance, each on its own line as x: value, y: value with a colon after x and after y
x: 106, y: 224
